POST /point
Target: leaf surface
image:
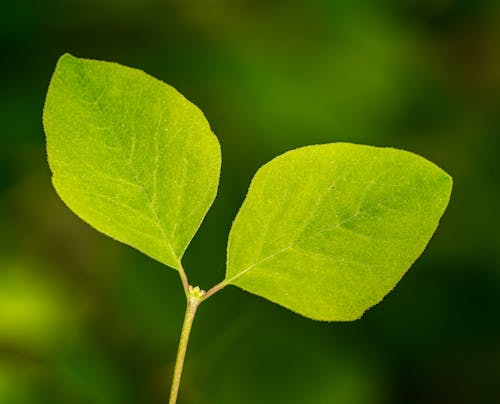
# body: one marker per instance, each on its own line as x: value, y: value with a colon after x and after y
x: 328, y: 230
x: 130, y: 155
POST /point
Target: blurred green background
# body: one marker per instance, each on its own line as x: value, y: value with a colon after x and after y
x: 84, y: 319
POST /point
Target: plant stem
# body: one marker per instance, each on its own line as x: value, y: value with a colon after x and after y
x: 192, y: 304
x: 194, y: 297
x: 184, y: 279
x: 214, y: 290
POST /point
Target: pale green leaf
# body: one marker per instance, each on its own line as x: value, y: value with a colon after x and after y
x: 130, y: 155
x: 327, y: 231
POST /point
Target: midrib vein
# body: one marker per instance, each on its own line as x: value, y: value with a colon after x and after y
x: 290, y: 246
x: 140, y: 184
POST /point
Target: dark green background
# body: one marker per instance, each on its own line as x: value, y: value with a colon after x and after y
x: 84, y: 319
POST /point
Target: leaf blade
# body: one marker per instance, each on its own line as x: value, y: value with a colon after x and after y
x: 130, y: 155
x: 327, y: 231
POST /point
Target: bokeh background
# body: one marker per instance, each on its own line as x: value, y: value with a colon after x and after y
x: 84, y: 319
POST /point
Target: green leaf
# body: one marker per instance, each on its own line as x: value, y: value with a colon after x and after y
x: 327, y: 231
x: 130, y: 155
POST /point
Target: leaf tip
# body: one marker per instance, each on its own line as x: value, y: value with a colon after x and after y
x: 66, y: 58
x: 447, y: 186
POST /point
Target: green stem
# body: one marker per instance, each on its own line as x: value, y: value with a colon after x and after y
x: 184, y: 279
x: 214, y: 290
x: 192, y: 304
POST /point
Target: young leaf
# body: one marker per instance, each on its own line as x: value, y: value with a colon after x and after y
x: 327, y: 231
x: 130, y: 155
